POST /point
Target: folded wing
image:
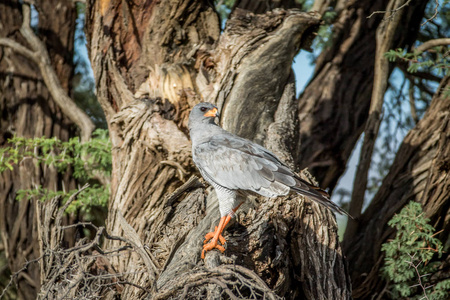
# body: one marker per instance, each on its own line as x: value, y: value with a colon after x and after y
x: 238, y: 164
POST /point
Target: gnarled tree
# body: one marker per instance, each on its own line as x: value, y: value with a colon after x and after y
x: 151, y: 65
x: 153, y: 61
x: 29, y: 110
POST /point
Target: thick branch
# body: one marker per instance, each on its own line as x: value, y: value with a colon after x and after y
x: 41, y: 57
x: 384, y: 38
x: 16, y: 47
x: 433, y: 43
x: 418, y: 173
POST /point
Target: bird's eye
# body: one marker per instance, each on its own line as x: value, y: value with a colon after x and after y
x: 203, y: 109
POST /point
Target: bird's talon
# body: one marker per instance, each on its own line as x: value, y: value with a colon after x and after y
x: 210, y: 235
x: 213, y: 245
x: 220, y: 248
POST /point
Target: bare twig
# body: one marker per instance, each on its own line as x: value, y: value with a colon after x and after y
x: 434, y: 15
x: 17, y: 273
x: 390, y: 13
x: 69, y: 201
x: 419, y: 277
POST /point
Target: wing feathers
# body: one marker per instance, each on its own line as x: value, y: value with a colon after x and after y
x: 238, y: 164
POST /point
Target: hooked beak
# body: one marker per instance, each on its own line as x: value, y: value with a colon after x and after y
x: 213, y: 112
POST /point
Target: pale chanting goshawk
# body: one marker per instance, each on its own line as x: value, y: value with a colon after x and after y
x: 236, y: 167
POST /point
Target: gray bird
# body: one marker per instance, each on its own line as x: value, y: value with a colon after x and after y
x: 236, y: 167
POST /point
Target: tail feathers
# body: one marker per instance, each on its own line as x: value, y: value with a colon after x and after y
x: 320, y: 196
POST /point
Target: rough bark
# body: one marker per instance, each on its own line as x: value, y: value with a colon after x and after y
x: 262, y: 6
x: 334, y: 107
x: 420, y: 173
x: 28, y: 110
x: 152, y: 62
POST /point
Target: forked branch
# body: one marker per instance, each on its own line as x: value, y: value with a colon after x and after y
x: 40, y: 56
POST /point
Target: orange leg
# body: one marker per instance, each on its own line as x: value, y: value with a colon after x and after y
x: 217, y: 234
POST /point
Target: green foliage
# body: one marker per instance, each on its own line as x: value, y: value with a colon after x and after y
x: 87, y: 160
x: 95, y: 195
x: 446, y: 92
x: 408, y: 256
x: 323, y: 39
x: 419, y: 61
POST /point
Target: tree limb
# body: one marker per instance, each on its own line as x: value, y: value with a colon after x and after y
x: 412, y: 102
x: 432, y: 43
x: 390, y: 13
x: 41, y: 57
x: 384, y: 38
x: 419, y: 74
x: 6, y: 42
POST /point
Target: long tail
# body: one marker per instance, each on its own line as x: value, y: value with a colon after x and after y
x: 318, y: 195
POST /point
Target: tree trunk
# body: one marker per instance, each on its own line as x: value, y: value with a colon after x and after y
x: 29, y: 111
x: 419, y: 173
x: 152, y: 63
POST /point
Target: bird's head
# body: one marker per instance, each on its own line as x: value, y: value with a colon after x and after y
x: 203, y: 113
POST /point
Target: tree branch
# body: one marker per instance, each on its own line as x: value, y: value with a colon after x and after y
x: 16, y: 47
x: 419, y: 74
x: 412, y: 102
x: 432, y: 43
x: 40, y: 56
x: 384, y: 38
x: 435, y: 13
x: 390, y: 13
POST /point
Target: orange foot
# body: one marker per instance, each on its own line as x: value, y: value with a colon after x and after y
x: 210, y: 235
x: 217, y: 234
x: 213, y: 244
